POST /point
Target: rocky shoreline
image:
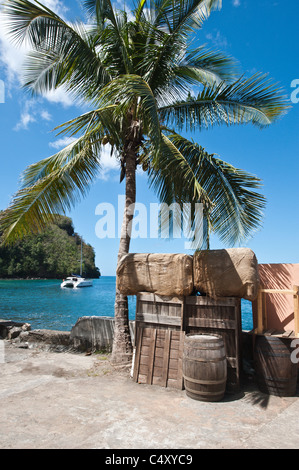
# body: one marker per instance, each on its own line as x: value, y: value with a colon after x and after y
x: 89, y: 334
x: 21, y: 335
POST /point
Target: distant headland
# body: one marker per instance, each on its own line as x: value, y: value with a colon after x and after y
x: 52, y: 254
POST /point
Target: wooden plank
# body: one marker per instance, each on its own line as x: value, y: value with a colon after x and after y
x: 183, y: 315
x: 232, y: 362
x: 202, y: 300
x: 211, y: 323
x: 296, y: 309
x: 159, y: 309
x: 279, y: 291
x: 148, y: 332
x: 269, y: 332
x: 172, y: 383
x: 137, y: 357
x: 143, y: 370
x: 142, y: 379
x: 277, y: 333
x: 174, y: 353
x: 264, y: 310
x: 166, y: 358
x: 180, y: 380
x: 151, y: 357
x: 287, y: 333
x: 144, y: 361
x: 149, y: 297
x: 160, y: 319
x: 260, y: 325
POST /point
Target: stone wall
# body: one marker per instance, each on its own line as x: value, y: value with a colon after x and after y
x: 88, y: 334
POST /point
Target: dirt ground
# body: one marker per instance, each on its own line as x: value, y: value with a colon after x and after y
x: 64, y: 400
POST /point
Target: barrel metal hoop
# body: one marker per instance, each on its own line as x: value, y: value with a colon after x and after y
x: 278, y: 379
x: 267, y: 354
x: 200, y: 359
x: 197, y: 392
x: 217, y: 348
x: 205, y: 382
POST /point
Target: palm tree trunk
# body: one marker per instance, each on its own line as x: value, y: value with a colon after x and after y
x: 122, y: 345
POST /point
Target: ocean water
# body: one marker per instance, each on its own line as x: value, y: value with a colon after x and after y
x: 43, y: 303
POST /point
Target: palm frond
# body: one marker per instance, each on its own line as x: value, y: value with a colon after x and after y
x: 61, y: 54
x: 201, y: 66
x: 255, y: 99
x: 133, y: 96
x: 113, y: 24
x: 100, y: 9
x: 50, y: 187
x: 176, y: 18
x: 173, y: 16
x: 236, y: 210
x: 100, y: 122
x: 172, y: 177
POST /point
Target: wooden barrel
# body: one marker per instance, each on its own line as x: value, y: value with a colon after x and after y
x: 275, y: 372
x: 204, y: 367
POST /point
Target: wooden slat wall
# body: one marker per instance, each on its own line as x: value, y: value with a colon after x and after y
x: 159, y: 340
x: 159, y: 358
x: 222, y: 317
x: 161, y: 323
x: 158, y: 312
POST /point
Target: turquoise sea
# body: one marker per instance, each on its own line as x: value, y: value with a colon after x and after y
x: 43, y: 304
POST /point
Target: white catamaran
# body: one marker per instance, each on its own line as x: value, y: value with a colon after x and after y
x: 76, y: 280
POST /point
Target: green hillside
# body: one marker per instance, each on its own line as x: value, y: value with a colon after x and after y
x: 55, y: 253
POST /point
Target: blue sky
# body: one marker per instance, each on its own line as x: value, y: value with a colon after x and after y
x: 263, y: 36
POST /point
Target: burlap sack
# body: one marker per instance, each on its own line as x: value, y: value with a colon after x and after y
x: 226, y: 273
x: 162, y: 274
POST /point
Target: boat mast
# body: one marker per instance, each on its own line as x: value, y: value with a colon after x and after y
x: 81, y: 260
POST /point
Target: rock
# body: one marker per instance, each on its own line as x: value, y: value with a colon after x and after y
x: 10, y: 329
x: 95, y: 333
x: 14, y: 332
x: 226, y: 273
x: 49, y: 338
x: 163, y: 274
x: 23, y: 345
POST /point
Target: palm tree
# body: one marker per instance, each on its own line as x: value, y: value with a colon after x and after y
x: 138, y: 74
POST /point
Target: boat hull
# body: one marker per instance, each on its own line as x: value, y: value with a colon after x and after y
x: 85, y: 283
x: 76, y: 283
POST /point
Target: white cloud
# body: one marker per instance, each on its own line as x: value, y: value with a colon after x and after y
x: 46, y: 115
x: 25, y: 119
x: 217, y: 39
x: 30, y: 113
x: 59, y: 96
x: 236, y: 3
x: 108, y: 163
x: 57, y: 6
x: 12, y: 56
x: 61, y: 143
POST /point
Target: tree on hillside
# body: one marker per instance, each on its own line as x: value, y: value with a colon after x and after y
x: 138, y: 72
x: 53, y: 253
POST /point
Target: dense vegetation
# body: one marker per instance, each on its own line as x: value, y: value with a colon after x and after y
x: 55, y: 253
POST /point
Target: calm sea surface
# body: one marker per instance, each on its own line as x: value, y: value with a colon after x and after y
x: 43, y: 304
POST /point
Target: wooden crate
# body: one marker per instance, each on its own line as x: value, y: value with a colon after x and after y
x: 158, y: 342
x: 158, y: 311
x: 220, y: 316
x: 158, y: 359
